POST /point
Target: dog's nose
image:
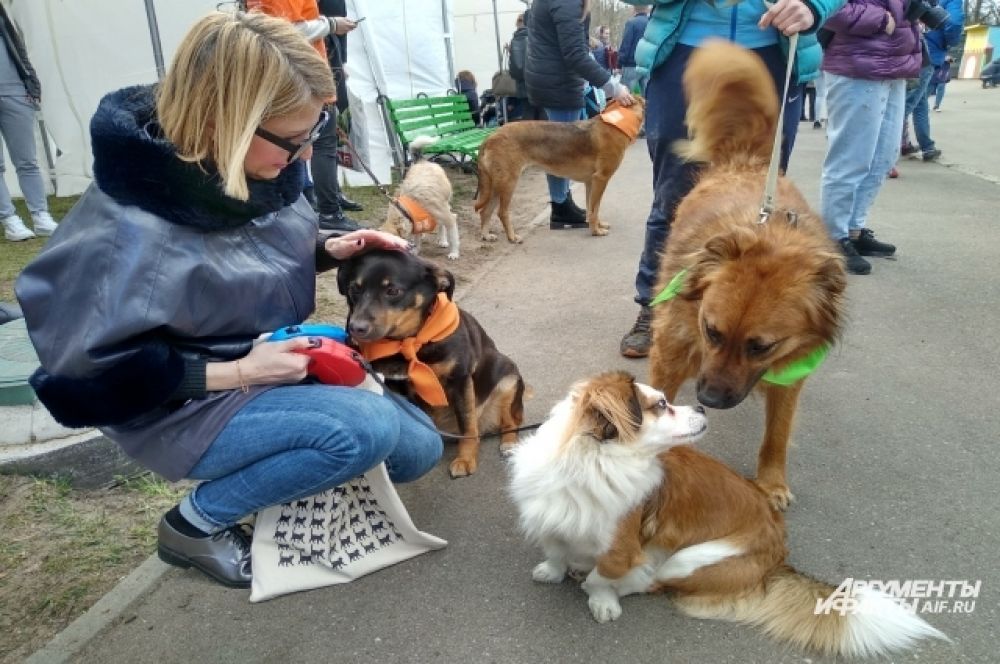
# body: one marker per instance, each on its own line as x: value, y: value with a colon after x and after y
x: 716, y: 397
x: 359, y: 328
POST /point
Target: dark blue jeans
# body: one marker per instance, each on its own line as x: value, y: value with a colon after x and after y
x: 297, y: 440
x: 674, y: 178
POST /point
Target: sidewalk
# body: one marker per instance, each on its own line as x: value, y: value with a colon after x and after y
x: 894, y: 467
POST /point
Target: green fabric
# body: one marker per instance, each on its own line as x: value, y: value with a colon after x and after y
x: 791, y: 374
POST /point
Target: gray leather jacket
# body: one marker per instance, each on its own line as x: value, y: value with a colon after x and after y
x: 153, y: 273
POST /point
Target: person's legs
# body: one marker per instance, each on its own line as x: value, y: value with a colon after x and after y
x: 939, y: 95
x: 295, y: 441
x: 326, y: 186
x: 856, y: 112
x: 565, y: 212
x: 559, y: 187
x: 921, y: 113
x: 894, y: 95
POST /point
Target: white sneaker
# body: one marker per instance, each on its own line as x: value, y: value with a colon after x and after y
x: 15, y: 230
x: 44, y: 223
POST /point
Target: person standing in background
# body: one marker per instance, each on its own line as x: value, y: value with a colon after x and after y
x: 20, y: 98
x: 316, y: 27
x: 521, y: 106
x: 558, y: 64
x: 942, y: 74
x: 633, y: 78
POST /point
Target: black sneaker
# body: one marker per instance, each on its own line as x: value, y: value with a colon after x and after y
x: 636, y: 343
x: 931, y: 155
x: 867, y: 245
x: 337, y: 222
x: 567, y: 215
x: 909, y: 148
x: 855, y: 263
x: 349, y: 205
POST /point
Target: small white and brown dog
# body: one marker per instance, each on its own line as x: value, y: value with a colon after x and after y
x: 609, y: 488
x: 425, y: 194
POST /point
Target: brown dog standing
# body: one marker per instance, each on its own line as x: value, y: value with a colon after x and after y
x: 755, y: 297
x: 587, y: 151
x: 399, y: 303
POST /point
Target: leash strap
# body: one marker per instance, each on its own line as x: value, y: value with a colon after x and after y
x: 378, y: 185
x: 771, y: 184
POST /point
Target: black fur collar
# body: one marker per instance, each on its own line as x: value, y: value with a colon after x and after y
x: 135, y: 165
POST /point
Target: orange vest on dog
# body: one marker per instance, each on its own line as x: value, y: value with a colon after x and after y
x: 423, y: 221
x: 442, y: 322
x: 623, y: 119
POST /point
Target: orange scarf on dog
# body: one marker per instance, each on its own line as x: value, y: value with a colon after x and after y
x: 442, y: 322
x: 422, y: 220
x: 623, y: 119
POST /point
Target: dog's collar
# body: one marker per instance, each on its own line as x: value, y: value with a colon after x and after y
x: 789, y: 375
x: 443, y: 320
x: 423, y: 221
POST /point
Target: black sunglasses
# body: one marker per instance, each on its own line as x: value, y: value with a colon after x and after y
x: 295, y: 150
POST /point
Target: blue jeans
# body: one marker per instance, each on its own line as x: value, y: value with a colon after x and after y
x: 865, y: 122
x: 17, y: 124
x: 559, y: 187
x: 916, y: 103
x: 938, y: 90
x: 297, y: 440
x: 674, y: 178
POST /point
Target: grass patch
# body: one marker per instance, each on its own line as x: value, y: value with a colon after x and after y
x: 15, y: 255
x: 62, y: 549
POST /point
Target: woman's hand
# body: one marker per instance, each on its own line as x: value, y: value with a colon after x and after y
x: 274, y: 363
x: 788, y: 16
x: 357, y: 242
x: 623, y: 96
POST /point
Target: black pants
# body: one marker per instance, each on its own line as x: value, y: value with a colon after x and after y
x: 324, y: 167
x: 674, y: 178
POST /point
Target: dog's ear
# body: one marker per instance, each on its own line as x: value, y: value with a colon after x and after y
x: 344, y: 275
x: 716, y: 251
x: 825, y: 308
x: 444, y: 280
x: 609, y: 408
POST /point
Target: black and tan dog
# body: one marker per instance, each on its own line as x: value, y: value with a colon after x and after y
x: 587, y: 151
x: 402, y: 318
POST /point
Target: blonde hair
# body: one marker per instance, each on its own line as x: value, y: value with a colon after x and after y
x: 231, y: 72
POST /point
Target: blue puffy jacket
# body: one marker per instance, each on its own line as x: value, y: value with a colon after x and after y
x: 669, y: 18
x: 949, y: 34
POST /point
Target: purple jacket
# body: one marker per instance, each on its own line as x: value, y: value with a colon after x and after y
x: 861, y: 49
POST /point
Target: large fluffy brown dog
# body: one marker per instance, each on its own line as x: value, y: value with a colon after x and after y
x: 587, y: 151
x: 756, y: 297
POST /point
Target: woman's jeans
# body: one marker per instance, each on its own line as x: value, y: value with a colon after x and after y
x: 559, y: 187
x: 916, y: 105
x: 673, y: 178
x: 17, y: 124
x: 298, y: 440
x: 863, y: 130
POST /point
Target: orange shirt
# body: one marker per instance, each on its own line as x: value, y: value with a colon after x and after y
x: 292, y: 10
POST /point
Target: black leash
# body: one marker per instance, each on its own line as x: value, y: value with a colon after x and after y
x: 444, y: 434
x: 383, y: 189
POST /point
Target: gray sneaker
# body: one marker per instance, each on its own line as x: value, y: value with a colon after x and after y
x: 224, y: 556
x: 636, y: 343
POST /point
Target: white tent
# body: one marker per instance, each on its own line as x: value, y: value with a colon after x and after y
x: 86, y: 48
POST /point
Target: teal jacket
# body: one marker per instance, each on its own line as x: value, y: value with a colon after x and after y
x: 669, y: 17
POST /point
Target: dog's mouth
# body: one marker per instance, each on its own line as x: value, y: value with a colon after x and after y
x: 698, y: 426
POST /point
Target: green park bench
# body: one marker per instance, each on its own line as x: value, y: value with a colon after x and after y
x: 446, y: 118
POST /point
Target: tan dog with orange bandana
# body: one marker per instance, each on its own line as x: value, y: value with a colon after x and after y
x: 425, y: 194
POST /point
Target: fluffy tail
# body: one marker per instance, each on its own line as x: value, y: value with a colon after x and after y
x: 794, y: 608
x: 732, y: 105
x: 418, y: 144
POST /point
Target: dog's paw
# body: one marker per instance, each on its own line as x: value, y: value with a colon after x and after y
x: 452, y: 255
x: 507, y: 449
x: 548, y: 572
x: 462, y: 467
x: 778, y: 494
x: 489, y: 237
x: 514, y: 239
x: 443, y: 243
x: 604, y: 605
x: 600, y: 231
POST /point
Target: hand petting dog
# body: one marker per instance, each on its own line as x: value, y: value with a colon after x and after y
x: 358, y: 242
